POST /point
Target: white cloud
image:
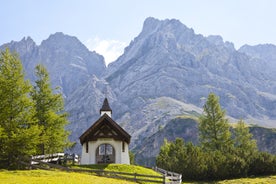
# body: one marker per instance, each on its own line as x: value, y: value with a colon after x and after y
x: 110, y: 49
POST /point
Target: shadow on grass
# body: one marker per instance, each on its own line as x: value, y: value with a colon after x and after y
x: 94, y: 166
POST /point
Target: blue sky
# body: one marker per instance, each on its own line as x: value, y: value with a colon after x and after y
x: 107, y: 26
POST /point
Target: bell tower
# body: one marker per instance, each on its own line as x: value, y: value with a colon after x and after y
x: 106, y: 108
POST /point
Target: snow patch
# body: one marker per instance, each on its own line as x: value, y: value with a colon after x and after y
x: 267, y: 95
x: 80, y: 60
x: 79, y: 67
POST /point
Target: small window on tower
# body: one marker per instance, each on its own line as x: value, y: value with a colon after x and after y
x: 87, y: 148
x: 123, y: 146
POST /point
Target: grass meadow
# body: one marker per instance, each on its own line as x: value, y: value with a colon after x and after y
x: 54, y: 177
x: 61, y: 177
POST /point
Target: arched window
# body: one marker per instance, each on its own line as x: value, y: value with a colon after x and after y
x: 105, y: 153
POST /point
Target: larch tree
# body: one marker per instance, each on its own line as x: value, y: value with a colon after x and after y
x: 50, y: 114
x: 214, y: 133
x: 243, y: 141
x: 19, y: 133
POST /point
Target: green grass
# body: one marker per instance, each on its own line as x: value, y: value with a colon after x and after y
x: 256, y: 180
x: 60, y: 177
x: 125, y: 169
x: 54, y: 177
x: 121, y: 168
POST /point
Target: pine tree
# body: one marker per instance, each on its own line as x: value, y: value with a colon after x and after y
x: 18, y: 129
x: 214, y: 133
x: 50, y: 114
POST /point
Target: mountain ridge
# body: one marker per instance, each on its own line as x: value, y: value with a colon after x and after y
x: 165, y: 72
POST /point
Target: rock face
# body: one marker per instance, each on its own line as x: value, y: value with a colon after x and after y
x: 185, y: 127
x: 180, y: 127
x: 68, y: 61
x: 169, y: 59
x: 167, y: 71
x: 265, y: 58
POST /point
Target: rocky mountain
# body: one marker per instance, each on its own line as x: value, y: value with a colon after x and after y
x: 68, y: 61
x: 185, y: 127
x: 167, y: 71
x: 169, y: 59
x: 264, y: 55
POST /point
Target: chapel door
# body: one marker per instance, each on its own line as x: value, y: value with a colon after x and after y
x: 105, y: 153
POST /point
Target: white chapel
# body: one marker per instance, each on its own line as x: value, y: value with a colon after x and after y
x: 105, y: 141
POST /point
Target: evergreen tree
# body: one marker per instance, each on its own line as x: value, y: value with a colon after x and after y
x: 194, y: 163
x: 220, y: 156
x: 163, y: 159
x: 214, y: 133
x: 186, y: 159
x: 177, y: 155
x: 18, y: 129
x: 244, y: 144
x: 49, y: 112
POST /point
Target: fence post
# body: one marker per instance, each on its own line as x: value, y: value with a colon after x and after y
x: 180, y: 178
x: 164, y: 179
x: 135, y: 179
x: 73, y: 158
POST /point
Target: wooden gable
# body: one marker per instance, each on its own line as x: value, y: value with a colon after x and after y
x: 105, y: 127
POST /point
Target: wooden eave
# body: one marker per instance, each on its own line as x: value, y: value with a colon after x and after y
x: 105, y: 127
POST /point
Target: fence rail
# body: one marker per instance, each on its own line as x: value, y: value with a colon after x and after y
x: 174, y: 178
x: 42, y: 164
x: 57, y: 158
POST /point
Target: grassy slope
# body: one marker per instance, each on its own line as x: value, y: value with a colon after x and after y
x: 125, y: 169
x: 264, y: 180
x: 257, y: 180
x: 122, y: 168
x: 54, y: 177
x: 58, y: 177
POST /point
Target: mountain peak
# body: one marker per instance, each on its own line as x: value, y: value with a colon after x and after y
x: 25, y: 45
x: 152, y: 25
x: 61, y: 40
x: 59, y: 36
x: 151, y: 21
x: 28, y: 40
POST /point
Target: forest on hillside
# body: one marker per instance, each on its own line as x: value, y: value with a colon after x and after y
x: 220, y: 153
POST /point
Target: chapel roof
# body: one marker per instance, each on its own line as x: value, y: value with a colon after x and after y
x: 105, y: 127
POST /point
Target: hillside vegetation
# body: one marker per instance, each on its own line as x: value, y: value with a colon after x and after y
x: 59, y: 177
x: 221, y: 153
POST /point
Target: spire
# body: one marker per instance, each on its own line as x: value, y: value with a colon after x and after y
x: 105, y: 108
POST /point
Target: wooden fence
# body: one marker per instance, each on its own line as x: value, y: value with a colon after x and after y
x: 40, y: 164
x: 173, y: 177
x: 58, y: 158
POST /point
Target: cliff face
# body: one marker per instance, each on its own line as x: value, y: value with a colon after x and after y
x: 181, y: 127
x: 186, y: 127
x: 68, y: 61
x: 169, y: 59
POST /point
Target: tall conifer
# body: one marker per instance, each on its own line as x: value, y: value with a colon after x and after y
x: 18, y: 129
x: 244, y: 143
x: 214, y: 133
x: 50, y: 114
